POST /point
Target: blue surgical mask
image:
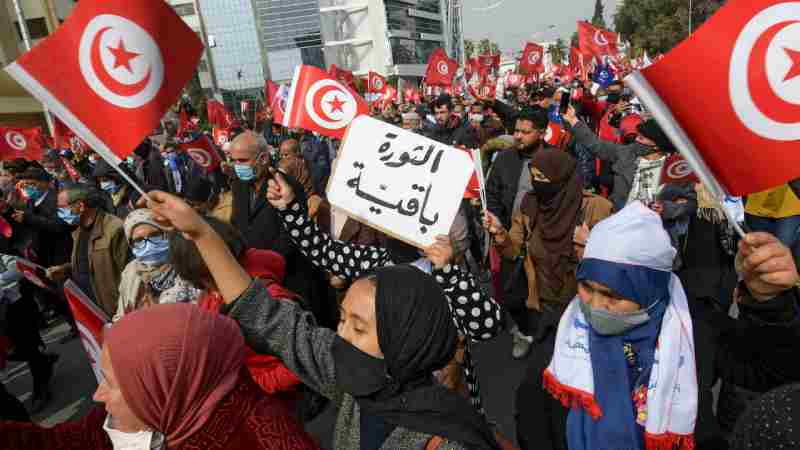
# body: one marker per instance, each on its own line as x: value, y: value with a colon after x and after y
x: 32, y: 192
x: 68, y: 216
x: 153, y: 251
x: 110, y: 186
x: 244, y: 172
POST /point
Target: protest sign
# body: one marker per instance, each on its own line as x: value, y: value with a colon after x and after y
x: 399, y: 182
x: 90, y: 320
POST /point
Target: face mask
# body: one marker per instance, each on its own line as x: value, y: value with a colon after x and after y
x: 357, y: 373
x: 140, y: 440
x: 544, y: 190
x: 68, y: 216
x: 610, y: 324
x: 244, y: 172
x: 32, y: 192
x: 110, y: 186
x: 476, y: 118
x: 613, y: 98
x: 152, y: 252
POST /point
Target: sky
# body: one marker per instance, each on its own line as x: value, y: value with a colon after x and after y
x: 515, y: 21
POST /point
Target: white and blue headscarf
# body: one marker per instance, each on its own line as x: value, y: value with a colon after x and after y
x: 637, y: 390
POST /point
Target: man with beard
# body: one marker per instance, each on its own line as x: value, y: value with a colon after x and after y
x: 446, y: 123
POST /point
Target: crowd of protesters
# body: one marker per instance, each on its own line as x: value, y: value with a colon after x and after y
x: 243, y: 301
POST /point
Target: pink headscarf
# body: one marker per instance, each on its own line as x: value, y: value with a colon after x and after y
x: 174, y: 364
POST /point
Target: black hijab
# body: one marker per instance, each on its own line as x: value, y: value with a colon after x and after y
x: 417, y: 336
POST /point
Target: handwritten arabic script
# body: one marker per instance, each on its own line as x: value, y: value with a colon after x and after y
x: 406, y: 185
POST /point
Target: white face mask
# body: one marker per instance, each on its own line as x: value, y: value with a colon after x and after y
x: 141, y: 440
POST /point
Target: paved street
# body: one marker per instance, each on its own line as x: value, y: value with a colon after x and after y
x: 73, y: 384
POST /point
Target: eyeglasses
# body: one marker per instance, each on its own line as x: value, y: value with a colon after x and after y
x: 139, y: 243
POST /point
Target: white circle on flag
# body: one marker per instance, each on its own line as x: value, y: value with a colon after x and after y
x: 16, y: 140
x: 600, y: 39
x: 120, y: 61
x: 92, y: 348
x: 442, y: 68
x: 775, y: 62
x: 679, y: 169
x: 533, y: 58
x: 378, y: 84
x: 330, y: 105
x: 200, y: 156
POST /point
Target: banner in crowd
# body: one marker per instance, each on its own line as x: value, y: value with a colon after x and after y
x: 90, y: 321
x: 202, y: 151
x: 596, y: 41
x: 218, y: 116
x: 318, y: 102
x: 399, y: 182
x: 376, y: 83
x: 532, y: 60
x: 34, y: 273
x: 441, y: 69
x: 744, y: 138
x: 677, y: 170
x: 23, y: 143
x: 121, y: 65
x: 279, y: 105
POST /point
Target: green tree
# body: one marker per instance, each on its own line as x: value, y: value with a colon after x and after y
x: 597, y: 19
x: 469, y: 48
x: 484, y: 46
x: 557, y: 51
x: 495, y: 49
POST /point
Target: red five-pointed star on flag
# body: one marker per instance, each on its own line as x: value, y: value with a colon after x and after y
x: 122, y: 57
x: 794, y: 71
x: 336, y: 104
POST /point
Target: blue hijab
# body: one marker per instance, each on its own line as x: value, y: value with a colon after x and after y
x: 614, y: 378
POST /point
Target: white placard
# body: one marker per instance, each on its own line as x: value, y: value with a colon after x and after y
x: 399, y: 182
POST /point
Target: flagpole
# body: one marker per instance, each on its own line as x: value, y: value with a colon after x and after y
x: 26, y: 39
x: 690, y: 16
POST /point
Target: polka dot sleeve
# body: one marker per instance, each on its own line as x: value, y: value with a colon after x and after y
x: 339, y: 258
x: 476, y: 314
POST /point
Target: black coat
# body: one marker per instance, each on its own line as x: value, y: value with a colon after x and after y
x: 51, y: 238
x: 757, y: 351
x: 502, y: 185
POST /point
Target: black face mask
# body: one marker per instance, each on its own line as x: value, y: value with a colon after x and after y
x: 357, y: 373
x: 545, y: 191
x: 613, y: 98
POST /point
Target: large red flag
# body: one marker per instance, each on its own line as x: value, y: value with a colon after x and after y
x: 749, y: 135
x: 270, y: 91
x: 596, y: 41
x: 343, y: 76
x: 532, y: 60
x: 202, y: 152
x: 21, y: 143
x: 376, y: 83
x: 576, y: 63
x: 472, y: 67
x: 318, y: 102
x: 90, y: 320
x: 121, y: 64
x: 218, y: 116
x: 441, y: 69
x: 489, y: 61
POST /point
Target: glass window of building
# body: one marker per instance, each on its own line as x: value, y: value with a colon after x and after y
x: 184, y: 9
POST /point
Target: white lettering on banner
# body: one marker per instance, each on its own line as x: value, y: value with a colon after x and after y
x: 399, y: 182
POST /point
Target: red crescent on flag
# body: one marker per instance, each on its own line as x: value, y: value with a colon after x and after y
x: 200, y: 156
x: 125, y: 90
x: 318, y: 101
x: 779, y: 110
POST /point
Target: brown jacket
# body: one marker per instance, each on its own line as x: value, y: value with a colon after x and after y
x: 594, y: 209
x: 108, y: 256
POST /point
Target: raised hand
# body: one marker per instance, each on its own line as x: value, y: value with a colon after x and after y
x: 766, y: 265
x: 441, y: 252
x: 279, y: 191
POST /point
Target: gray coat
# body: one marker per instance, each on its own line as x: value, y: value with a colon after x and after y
x: 623, y: 160
x: 283, y: 329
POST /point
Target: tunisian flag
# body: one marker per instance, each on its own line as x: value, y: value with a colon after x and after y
x: 532, y: 60
x: 90, y: 320
x: 218, y: 116
x: 441, y: 69
x: 376, y: 83
x: 596, y: 41
x: 489, y: 62
x: 121, y: 64
x: 202, y: 152
x: 278, y: 105
x: 318, y: 102
x: 748, y: 138
x: 23, y: 143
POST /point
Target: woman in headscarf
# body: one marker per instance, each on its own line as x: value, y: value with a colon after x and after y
x: 148, y: 279
x: 626, y: 366
x: 180, y: 385
x: 396, y: 329
x: 542, y: 232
